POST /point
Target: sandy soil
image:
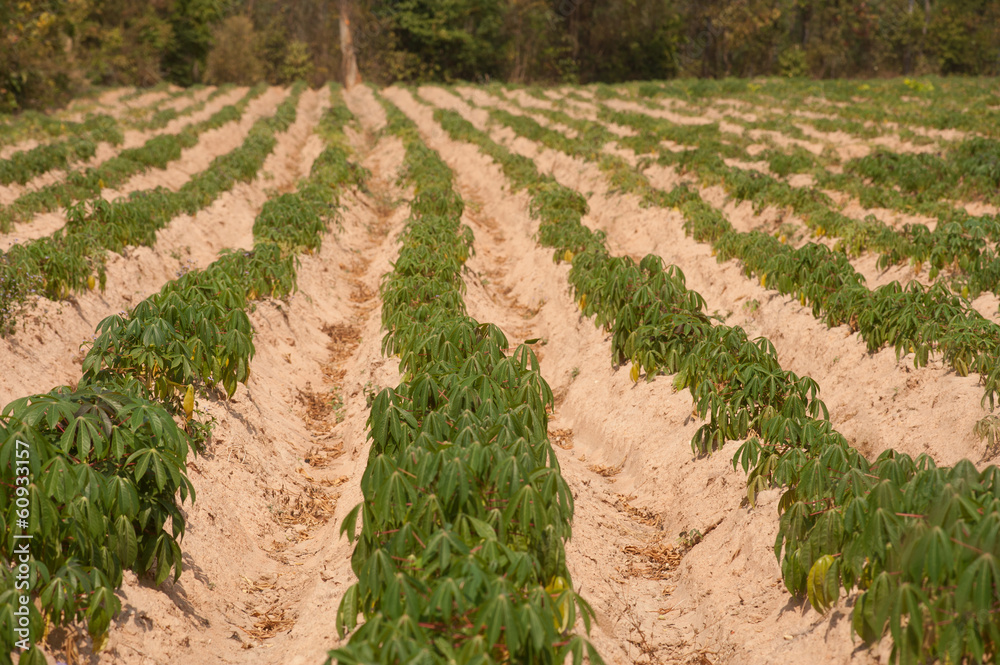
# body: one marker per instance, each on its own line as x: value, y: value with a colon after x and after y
x: 113, y: 104
x: 184, y: 101
x: 45, y: 352
x: 888, y: 128
x: 133, y: 138
x: 210, y: 145
x: 677, y: 570
x: 264, y: 566
x: 107, y: 103
x: 846, y: 146
x: 808, y: 347
x: 769, y: 219
x: 656, y: 601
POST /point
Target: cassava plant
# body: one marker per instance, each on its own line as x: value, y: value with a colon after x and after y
x: 460, y: 556
x: 917, y: 543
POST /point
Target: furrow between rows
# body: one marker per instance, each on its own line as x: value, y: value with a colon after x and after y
x: 853, y: 380
x: 46, y: 350
x: 624, y: 449
x: 132, y: 139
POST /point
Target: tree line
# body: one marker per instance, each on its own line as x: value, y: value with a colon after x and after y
x: 50, y: 49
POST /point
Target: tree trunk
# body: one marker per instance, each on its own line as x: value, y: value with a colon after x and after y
x: 352, y: 76
x: 908, y: 49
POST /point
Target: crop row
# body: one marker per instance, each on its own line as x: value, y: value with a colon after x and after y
x: 461, y: 553
x: 761, y: 119
x: 958, y: 246
x: 105, y: 476
x: 162, y: 117
x: 779, y: 120
x: 650, y: 95
x: 157, y: 152
x: 908, y: 183
x: 138, y: 92
x: 914, y: 319
x: 919, y: 542
x: 33, y: 124
x: 130, y: 114
x: 884, y: 179
x: 73, y: 258
x: 968, y: 105
x: 42, y: 126
x: 921, y: 183
x: 959, y: 249
x: 772, y: 119
x: 25, y: 165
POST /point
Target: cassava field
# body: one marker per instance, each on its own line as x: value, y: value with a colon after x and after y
x: 686, y: 372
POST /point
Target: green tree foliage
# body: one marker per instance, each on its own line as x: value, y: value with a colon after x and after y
x: 296, y: 65
x: 588, y: 40
x: 192, y: 22
x: 31, y: 50
x: 454, y: 39
x: 234, y: 57
x: 49, y: 49
x: 120, y: 41
x: 296, y: 40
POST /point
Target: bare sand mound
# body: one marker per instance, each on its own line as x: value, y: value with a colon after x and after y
x: 876, y: 401
x: 46, y: 223
x: 714, y: 593
x: 678, y: 567
x: 45, y: 351
x: 264, y: 566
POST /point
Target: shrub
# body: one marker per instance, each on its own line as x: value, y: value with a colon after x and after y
x: 232, y: 59
x: 297, y: 64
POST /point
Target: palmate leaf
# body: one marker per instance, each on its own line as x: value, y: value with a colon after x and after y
x: 393, y: 497
x: 348, y: 611
x: 978, y: 585
x: 827, y: 535
x: 126, y: 542
x: 906, y: 622
x: 871, y: 611
x: 143, y: 459
x: 349, y: 524
x: 526, y: 512
x: 88, y: 516
x: 77, y: 435
x: 931, y: 556
x: 747, y: 454
x: 498, y: 616
x: 378, y: 572
x: 579, y: 648
x: 167, y: 555
x: 45, y: 518
x: 103, y: 605
x: 61, y: 591
x: 60, y: 480
x: 794, y: 526
x: 446, y: 600
x: 823, y: 584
